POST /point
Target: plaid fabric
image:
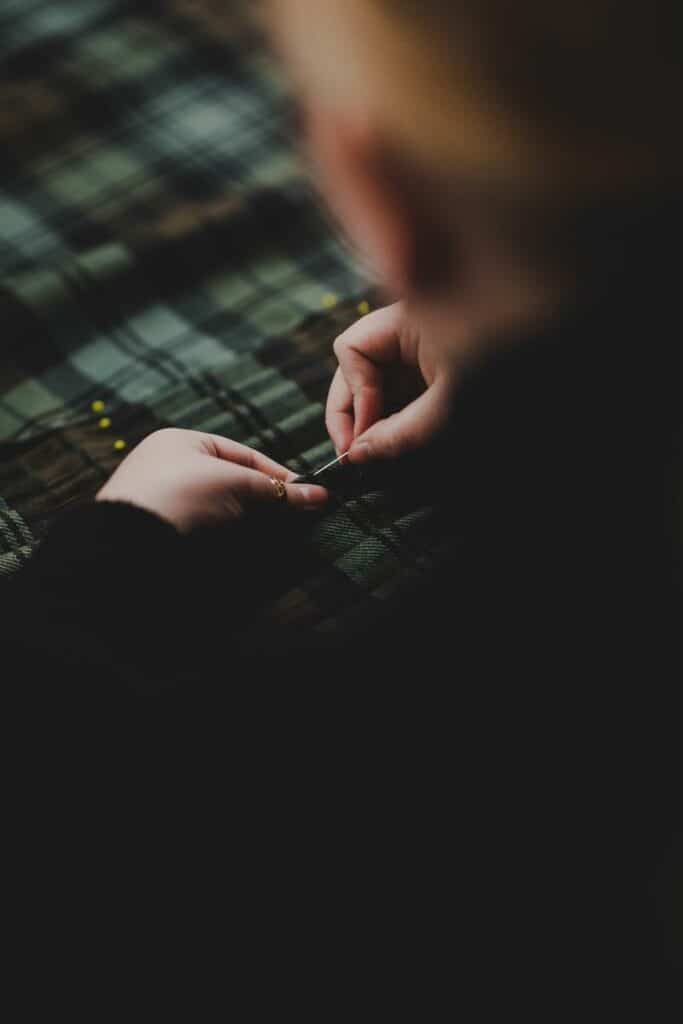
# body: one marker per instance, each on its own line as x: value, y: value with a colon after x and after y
x: 161, y: 253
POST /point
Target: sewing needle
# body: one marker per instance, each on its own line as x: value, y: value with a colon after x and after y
x: 307, y: 477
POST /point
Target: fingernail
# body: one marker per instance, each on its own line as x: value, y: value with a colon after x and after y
x: 360, y: 452
x: 314, y: 496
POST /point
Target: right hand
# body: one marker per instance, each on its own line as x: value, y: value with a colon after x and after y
x: 368, y: 352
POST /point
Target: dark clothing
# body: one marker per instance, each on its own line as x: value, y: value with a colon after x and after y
x: 551, y: 637
x: 560, y: 475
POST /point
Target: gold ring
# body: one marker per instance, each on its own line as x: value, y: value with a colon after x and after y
x: 280, y: 488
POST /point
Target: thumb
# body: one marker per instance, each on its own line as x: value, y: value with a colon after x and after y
x: 405, y: 431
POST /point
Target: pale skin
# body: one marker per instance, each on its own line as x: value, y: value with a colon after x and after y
x: 356, y: 402
x: 478, y: 288
x: 192, y: 479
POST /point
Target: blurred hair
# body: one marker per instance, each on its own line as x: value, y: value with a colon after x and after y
x: 601, y: 77
x: 592, y: 89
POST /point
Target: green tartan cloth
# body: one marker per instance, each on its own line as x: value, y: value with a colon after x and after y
x: 162, y: 254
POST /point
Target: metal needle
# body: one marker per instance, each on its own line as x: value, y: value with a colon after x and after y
x: 306, y: 477
x: 329, y: 464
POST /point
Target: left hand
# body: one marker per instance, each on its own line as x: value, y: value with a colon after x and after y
x: 193, y: 479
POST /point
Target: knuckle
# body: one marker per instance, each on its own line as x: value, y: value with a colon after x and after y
x: 390, y: 443
x: 339, y: 346
x: 390, y: 446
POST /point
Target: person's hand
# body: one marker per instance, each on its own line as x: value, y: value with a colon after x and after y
x: 369, y: 353
x: 193, y: 479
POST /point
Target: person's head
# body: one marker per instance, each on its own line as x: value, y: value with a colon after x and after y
x: 462, y: 142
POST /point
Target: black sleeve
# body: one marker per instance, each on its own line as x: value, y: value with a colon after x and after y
x: 115, y: 600
x: 100, y: 605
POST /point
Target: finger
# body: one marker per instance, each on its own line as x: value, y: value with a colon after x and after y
x: 251, y: 487
x: 362, y: 351
x: 377, y: 334
x: 241, y: 455
x: 307, y: 496
x: 363, y: 379
x: 339, y: 413
x: 406, y: 430
x: 256, y: 484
